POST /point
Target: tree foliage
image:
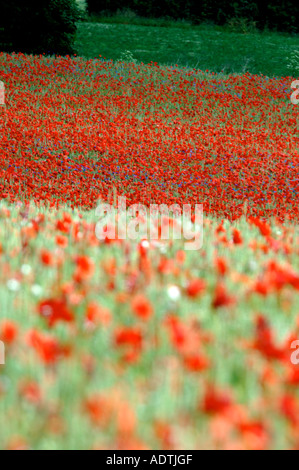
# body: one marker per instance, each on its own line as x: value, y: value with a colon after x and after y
x: 281, y: 15
x: 38, y: 26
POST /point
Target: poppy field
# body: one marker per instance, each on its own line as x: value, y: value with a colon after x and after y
x: 74, y: 129
x: 139, y: 344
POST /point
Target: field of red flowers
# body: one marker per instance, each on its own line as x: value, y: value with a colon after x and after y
x: 73, y: 129
x: 139, y: 344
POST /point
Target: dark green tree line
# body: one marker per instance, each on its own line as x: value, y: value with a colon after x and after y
x: 280, y: 15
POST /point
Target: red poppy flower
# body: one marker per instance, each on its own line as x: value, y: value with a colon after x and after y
x: 47, y: 347
x: 215, y: 401
x: 221, y: 297
x: 196, y: 287
x: 55, y: 310
x: 8, y: 332
x: 142, y: 307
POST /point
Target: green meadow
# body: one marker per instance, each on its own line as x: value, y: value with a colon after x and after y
x: 205, y: 47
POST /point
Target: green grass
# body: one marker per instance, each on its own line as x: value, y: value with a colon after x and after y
x: 204, y: 47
